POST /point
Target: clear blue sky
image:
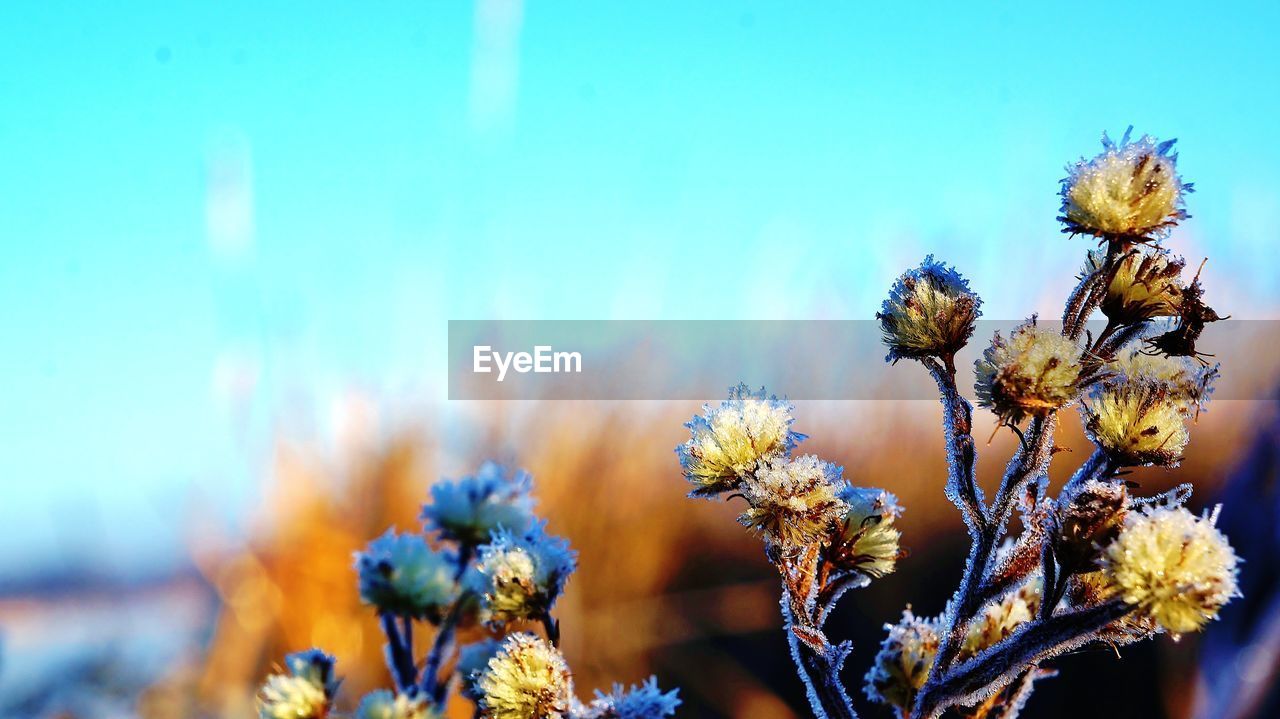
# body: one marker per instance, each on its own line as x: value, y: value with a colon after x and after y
x: 220, y: 219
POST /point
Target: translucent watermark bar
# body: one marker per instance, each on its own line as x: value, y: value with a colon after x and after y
x: 803, y: 359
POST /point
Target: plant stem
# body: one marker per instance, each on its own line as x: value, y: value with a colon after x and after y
x: 820, y: 674
x: 399, y: 658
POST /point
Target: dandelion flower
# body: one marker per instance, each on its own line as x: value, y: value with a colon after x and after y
x: 401, y: 575
x: 1173, y: 566
x: 383, y: 704
x: 527, y: 679
x: 1131, y: 190
x: 930, y: 312
x: 1035, y: 371
x: 1000, y: 619
x: 469, y: 509
x: 866, y: 540
x: 794, y: 501
x: 645, y: 701
x: 524, y: 573
x: 1145, y: 284
x: 729, y: 440
x: 902, y: 665
x: 1137, y: 422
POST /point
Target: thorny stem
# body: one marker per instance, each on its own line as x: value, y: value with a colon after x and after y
x: 399, y: 657
x: 1037, y: 641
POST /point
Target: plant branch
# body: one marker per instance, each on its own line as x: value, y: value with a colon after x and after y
x: 962, y: 485
x: 399, y: 657
x: 818, y: 671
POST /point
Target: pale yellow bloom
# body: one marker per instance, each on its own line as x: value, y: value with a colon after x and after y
x: 930, y: 312
x: 292, y: 697
x: 1035, y: 371
x: 1138, y: 422
x: 793, y: 502
x: 1175, y: 567
x: 528, y: 679
x: 1000, y: 619
x: 902, y: 665
x: 728, y: 441
x: 1145, y: 284
x: 1131, y: 190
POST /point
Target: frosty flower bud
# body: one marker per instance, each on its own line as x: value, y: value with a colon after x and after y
x: 473, y: 659
x: 793, y: 502
x: 1000, y: 619
x: 401, y: 575
x: 1137, y: 422
x: 729, y: 440
x: 902, y: 665
x: 306, y: 692
x: 1173, y: 566
x: 524, y: 573
x: 645, y: 701
x: 929, y: 313
x: 1093, y: 588
x: 1035, y: 371
x: 1091, y: 517
x: 527, y: 679
x: 865, y: 539
x: 1145, y: 284
x: 469, y: 509
x: 1130, y: 190
x: 383, y: 704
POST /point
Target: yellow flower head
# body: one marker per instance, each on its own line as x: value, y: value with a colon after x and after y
x: 1176, y: 568
x: 729, y: 440
x: 383, y: 704
x: 866, y: 540
x: 285, y: 696
x: 527, y: 679
x: 1145, y: 284
x: 1131, y: 190
x: 1137, y: 422
x: 1000, y: 619
x: 930, y: 312
x: 1035, y: 371
x: 794, y: 502
x: 902, y: 665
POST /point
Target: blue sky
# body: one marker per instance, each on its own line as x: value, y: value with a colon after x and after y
x: 220, y: 221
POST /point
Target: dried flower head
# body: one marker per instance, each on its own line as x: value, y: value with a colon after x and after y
x: 1091, y: 517
x: 866, y: 539
x: 929, y: 313
x: 1131, y: 190
x: 1093, y: 588
x: 645, y: 701
x: 383, y: 704
x: 1173, y: 566
x: 473, y: 659
x: 1144, y: 284
x: 524, y: 573
x: 1035, y: 371
x: 793, y: 501
x: 1137, y: 422
x: 401, y: 575
x: 1187, y: 382
x: 902, y: 665
x: 1000, y: 619
x: 729, y: 440
x: 467, y: 510
x: 306, y: 692
x: 527, y: 679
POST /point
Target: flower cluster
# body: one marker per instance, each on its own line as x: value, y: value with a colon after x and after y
x: 1093, y: 565
x: 1132, y: 189
x: 481, y: 555
x: 929, y: 313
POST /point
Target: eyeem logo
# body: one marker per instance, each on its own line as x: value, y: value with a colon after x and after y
x: 542, y: 361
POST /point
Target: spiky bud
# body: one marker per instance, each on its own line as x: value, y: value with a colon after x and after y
x: 729, y: 440
x: 929, y: 313
x: 866, y: 539
x: 1137, y: 422
x: 1091, y: 516
x: 644, y: 701
x: 902, y: 665
x: 794, y: 502
x: 402, y: 575
x: 527, y: 679
x: 1000, y: 619
x: 306, y: 692
x: 1032, y: 373
x: 1143, y: 284
x: 524, y: 573
x: 1131, y: 190
x: 469, y: 509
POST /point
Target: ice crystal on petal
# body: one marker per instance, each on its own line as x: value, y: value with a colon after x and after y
x: 1035, y: 371
x: 727, y: 441
x: 793, y: 502
x: 524, y: 573
x: 1132, y: 189
x: 402, y: 575
x: 645, y: 701
x: 383, y: 704
x: 902, y: 665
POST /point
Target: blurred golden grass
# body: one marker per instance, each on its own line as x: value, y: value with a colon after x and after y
x: 660, y: 577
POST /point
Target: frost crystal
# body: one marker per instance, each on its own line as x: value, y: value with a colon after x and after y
x: 1034, y: 372
x: 383, y: 704
x: 903, y: 663
x: 1138, y: 422
x: 866, y: 540
x: 645, y: 701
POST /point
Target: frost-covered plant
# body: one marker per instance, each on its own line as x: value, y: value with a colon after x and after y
x: 1092, y: 565
x: 482, y: 559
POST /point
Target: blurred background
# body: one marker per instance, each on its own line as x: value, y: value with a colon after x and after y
x: 231, y: 237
